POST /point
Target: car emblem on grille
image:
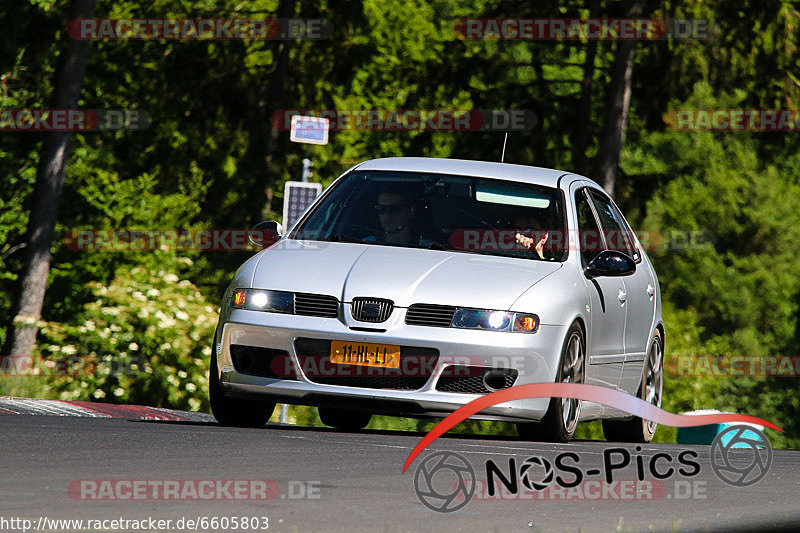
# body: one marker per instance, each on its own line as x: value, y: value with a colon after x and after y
x: 371, y: 309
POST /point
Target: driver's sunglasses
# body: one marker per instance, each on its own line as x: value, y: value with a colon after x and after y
x: 384, y: 209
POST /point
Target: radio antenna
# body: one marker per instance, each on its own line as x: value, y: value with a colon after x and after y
x: 503, y: 154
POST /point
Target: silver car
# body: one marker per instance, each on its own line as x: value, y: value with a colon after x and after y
x: 412, y: 286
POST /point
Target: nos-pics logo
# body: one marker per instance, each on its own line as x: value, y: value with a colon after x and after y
x: 445, y: 481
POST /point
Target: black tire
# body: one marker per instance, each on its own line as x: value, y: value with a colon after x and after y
x: 343, y: 419
x: 235, y: 412
x: 637, y: 429
x: 553, y: 427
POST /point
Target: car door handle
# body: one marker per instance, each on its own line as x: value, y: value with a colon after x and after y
x: 623, y: 296
x: 650, y: 291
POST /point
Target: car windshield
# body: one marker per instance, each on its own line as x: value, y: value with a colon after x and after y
x: 440, y: 212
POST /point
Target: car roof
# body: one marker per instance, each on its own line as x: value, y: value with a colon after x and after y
x: 462, y: 167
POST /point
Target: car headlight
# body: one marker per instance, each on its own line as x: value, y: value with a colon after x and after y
x: 487, y: 319
x: 263, y: 300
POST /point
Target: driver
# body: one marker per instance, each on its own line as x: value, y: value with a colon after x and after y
x: 397, y: 216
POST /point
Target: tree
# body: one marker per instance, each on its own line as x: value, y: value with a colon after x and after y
x: 619, y: 100
x: 47, y: 193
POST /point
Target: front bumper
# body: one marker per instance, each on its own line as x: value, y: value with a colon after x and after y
x: 535, y: 356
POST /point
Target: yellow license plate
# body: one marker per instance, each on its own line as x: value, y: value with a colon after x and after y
x: 365, y: 354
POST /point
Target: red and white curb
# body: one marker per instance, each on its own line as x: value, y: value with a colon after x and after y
x: 32, y: 406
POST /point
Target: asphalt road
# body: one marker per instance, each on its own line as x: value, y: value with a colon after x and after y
x: 355, y: 480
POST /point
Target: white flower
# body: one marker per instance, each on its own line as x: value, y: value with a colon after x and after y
x: 99, y: 393
x: 133, y: 346
x: 152, y: 293
x: 207, y: 351
x: 181, y: 315
x: 139, y: 296
x: 182, y: 374
x: 191, y: 387
x: 172, y: 380
x: 119, y: 391
x: 69, y: 350
x: 185, y: 261
x: 90, y: 325
x: 164, y: 347
x: 171, y: 278
x: 194, y: 404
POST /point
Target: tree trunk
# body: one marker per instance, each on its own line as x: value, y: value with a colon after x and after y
x: 49, y: 181
x: 585, y: 104
x: 619, y: 98
x: 276, y: 96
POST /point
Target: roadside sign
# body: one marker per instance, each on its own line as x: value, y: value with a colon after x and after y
x: 310, y: 130
x: 297, y: 196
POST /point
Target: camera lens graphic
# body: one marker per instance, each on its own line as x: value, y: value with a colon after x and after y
x: 528, y: 476
x: 740, y: 455
x: 444, y: 482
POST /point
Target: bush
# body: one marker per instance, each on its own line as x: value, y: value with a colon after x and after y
x: 148, y: 336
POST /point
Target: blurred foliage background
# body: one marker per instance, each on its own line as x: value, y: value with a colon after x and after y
x: 211, y: 160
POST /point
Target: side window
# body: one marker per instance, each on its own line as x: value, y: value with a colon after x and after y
x: 613, y: 227
x: 589, y: 236
x: 628, y: 233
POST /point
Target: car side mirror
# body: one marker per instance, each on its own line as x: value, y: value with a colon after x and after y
x: 266, y: 233
x: 610, y: 263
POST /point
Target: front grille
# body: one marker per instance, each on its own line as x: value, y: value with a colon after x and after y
x: 316, y: 305
x: 263, y: 362
x: 416, y: 367
x: 430, y: 315
x: 473, y: 379
x: 371, y: 309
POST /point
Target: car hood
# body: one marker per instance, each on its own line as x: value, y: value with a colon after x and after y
x: 403, y: 275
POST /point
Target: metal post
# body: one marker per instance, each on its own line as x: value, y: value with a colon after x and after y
x: 284, y: 413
